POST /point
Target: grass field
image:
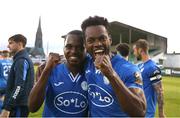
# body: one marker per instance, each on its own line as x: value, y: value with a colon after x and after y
x: 171, y: 95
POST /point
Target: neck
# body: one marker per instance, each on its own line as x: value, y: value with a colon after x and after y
x: 145, y: 57
x: 18, y: 51
x: 74, y: 69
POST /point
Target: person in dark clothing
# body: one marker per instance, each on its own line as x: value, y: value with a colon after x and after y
x: 124, y: 50
x: 20, y: 79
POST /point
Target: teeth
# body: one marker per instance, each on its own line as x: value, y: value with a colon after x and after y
x: 98, y: 51
x: 73, y: 57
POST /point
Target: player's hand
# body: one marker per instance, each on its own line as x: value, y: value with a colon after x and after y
x: 53, y: 60
x: 4, y: 114
x: 40, y: 70
x: 103, y: 63
x: 98, y: 61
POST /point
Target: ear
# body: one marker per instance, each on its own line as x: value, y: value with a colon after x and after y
x: 110, y: 39
x: 20, y: 44
x: 140, y: 51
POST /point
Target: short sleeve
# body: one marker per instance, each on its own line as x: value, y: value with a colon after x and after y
x: 134, y: 80
x: 155, y: 74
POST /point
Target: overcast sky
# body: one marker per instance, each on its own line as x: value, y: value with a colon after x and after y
x: 58, y: 17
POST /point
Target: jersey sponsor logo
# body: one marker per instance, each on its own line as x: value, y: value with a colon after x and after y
x: 99, y: 96
x: 71, y: 102
x: 58, y: 84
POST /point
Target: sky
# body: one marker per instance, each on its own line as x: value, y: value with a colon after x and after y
x: 58, y: 17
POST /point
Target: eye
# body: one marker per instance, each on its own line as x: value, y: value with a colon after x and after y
x: 68, y: 46
x: 90, y: 40
x: 102, y: 38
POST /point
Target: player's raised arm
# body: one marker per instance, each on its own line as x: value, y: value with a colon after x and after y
x: 132, y: 100
x: 37, y: 94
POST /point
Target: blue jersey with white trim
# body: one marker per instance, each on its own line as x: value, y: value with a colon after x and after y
x: 102, y: 99
x: 66, y: 95
x: 5, y: 66
x: 151, y: 74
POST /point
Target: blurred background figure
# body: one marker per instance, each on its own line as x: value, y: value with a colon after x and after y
x: 123, y: 49
x: 5, y: 66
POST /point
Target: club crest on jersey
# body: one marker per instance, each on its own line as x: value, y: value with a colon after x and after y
x: 71, y: 102
x: 99, y: 96
x: 84, y: 85
x: 106, y: 81
x: 138, y: 77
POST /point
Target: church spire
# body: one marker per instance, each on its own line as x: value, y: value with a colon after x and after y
x: 38, y: 42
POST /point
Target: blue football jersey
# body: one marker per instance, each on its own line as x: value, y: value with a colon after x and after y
x: 102, y: 99
x: 66, y: 95
x: 151, y: 74
x: 5, y: 66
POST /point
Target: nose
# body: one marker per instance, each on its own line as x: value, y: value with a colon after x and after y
x: 74, y: 50
x: 97, y: 43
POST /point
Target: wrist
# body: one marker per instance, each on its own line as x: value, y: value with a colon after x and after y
x: 111, y: 75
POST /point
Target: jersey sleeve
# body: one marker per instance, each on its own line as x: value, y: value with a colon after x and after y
x: 134, y: 80
x: 155, y: 74
x: 21, y: 69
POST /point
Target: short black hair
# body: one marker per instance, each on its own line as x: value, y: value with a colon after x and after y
x: 75, y: 32
x: 93, y: 21
x: 19, y: 38
x: 123, y: 49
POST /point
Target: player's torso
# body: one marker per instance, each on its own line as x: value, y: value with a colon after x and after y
x: 66, y: 95
x: 103, y: 101
x: 6, y: 66
x: 146, y: 70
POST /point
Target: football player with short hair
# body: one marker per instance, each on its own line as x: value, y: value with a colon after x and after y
x: 151, y: 75
x: 114, y: 84
x: 63, y: 85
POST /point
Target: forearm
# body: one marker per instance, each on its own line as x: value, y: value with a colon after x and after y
x: 127, y: 98
x: 160, y: 104
x: 160, y: 99
x: 37, y: 94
